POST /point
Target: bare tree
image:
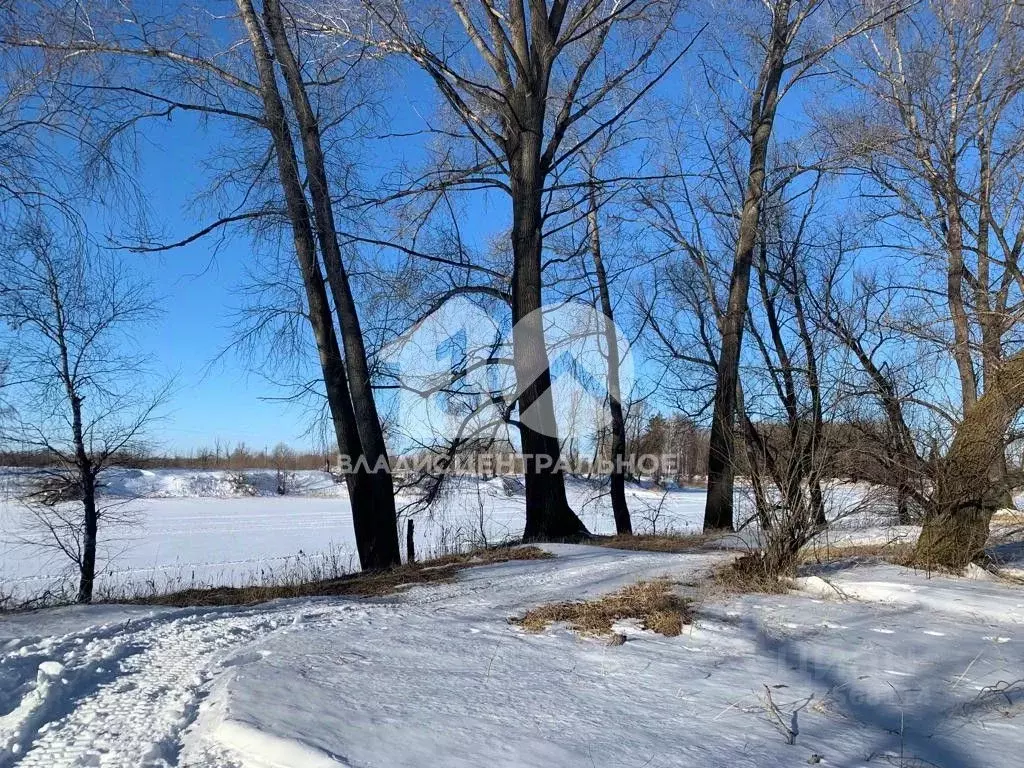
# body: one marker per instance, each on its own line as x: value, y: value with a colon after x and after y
x: 788, y: 382
x: 598, y: 258
x: 76, y: 387
x: 233, y: 70
x: 788, y: 390
x: 887, y: 382
x: 617, y: 491
x: 536, y: 88
x: 793, y: 42
x: 936, y: 135
x: 283, y: 460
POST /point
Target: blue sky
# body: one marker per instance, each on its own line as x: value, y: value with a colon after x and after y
x: 217, y: 397
x: 196, y: 291
x: 197, y: 285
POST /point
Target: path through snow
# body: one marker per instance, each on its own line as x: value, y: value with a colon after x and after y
x: 121, y: 694
x: 918, y: 672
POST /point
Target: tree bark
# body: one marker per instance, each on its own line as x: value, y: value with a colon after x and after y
x: 548, y: 515
x: 357, y: 477
x: 956, y: 524
x: 87, y: 578
x: 718, y: 511
x: 87, y: 482
x: 378, y: 524
x: 957, y: 311
x: 617, y: 479
x: 991, y: 319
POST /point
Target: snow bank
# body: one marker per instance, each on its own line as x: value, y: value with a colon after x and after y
x: 187, y: 483
x: 983, y: 599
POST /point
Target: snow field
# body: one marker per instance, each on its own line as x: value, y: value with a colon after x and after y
x: 892, y: 668
x: 200, y: 528
x: 196, y: 528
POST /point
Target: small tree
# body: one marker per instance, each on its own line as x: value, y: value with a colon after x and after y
x: 283, y: 459
x: 74, y: 382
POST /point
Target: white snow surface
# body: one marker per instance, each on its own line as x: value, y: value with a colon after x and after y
x: 869, y: 665
x: 172, y: 529
x: 212, y: 527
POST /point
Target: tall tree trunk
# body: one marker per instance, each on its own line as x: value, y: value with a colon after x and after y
x: 87, y: 575
x: 379, y: 531
x: 958, y: 313
x: 956, y: 524
x: 86, y: 481
x: 718, y: 511
x: 991, y: 319
x: 357, y: 478
x: 620, y: 510
x: 84, y: 468
x: 548, y: 515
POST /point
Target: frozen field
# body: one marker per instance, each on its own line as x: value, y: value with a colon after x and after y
x: 864, y: 664
x: 210, y: 527
x: 194, y: 528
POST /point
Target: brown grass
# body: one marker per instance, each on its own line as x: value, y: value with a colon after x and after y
x: 370, y: 584
x: 1008, y: 517
x: 648, y: 543
x: 652, y: 603
x: 747, y: 574
x: 895, y: 552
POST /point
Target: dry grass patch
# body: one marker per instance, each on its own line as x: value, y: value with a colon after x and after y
x: 650, y: 543
x: 652, y: 603
x: 747, y: 574
x: 1008, y: 517
x: 895, y: 552
x: 370, y: 584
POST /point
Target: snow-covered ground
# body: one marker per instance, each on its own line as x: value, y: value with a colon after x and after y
x: 870, y: 665
x: 184, y: 528
x: 192, y: 527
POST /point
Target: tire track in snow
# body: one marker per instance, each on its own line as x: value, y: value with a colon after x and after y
x: 126, y: 693
x: 122, y: 696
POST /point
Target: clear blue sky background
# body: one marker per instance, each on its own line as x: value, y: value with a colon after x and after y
x: 196, y: 291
